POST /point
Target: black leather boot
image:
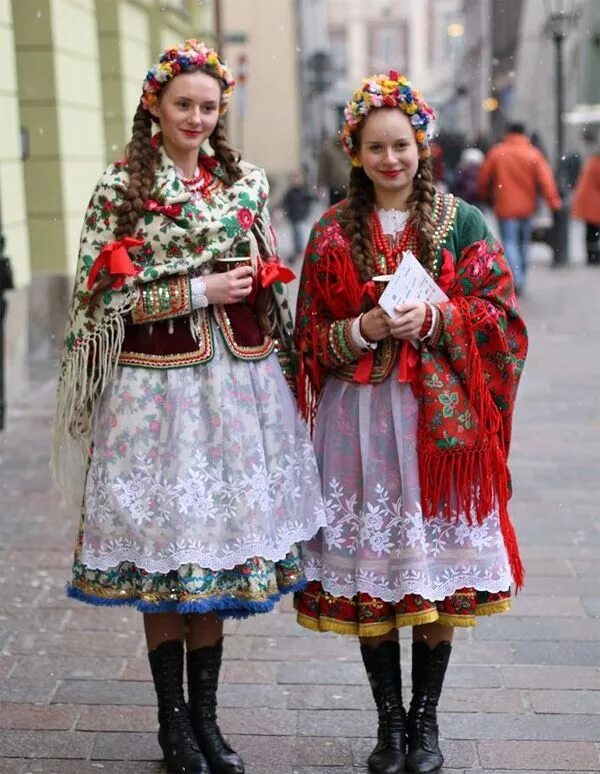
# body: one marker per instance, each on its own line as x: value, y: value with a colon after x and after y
x: 203, y: 666
x: 428, y: 670
x: 383, y: 669
x: 175, y: 734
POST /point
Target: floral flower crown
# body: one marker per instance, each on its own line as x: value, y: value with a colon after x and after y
x: 193, y: 55
x: 391, y: 90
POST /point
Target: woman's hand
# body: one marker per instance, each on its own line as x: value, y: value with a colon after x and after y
x: 409, y: 321
x: 374, y: 324
x: 229, y: 287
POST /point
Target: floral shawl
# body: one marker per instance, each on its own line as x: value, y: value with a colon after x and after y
x: 466, y: 387
x: 176, y: 236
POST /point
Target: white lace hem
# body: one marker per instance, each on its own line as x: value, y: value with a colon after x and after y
x: 435, y: 590
x: 227, y: 559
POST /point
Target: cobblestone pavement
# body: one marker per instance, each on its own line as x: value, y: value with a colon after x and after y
x: 523, y: 689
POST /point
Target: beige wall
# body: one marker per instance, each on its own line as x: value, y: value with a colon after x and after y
x: 12, y: 189
x: 59, y: 96
x: 267, y: 131
x: 73, y: 71
x: 12, y: 209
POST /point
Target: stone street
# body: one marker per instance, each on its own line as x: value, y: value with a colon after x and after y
x: 523, y: 689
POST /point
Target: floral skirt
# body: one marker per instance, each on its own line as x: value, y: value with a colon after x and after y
x: 201, y: 483
x: 366, y: 616
x: 379, y: 563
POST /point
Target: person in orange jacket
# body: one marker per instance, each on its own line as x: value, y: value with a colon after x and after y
x: 586, y: 206
x: 513, y: 174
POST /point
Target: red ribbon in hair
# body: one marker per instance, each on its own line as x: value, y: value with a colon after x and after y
x: 114, y: 258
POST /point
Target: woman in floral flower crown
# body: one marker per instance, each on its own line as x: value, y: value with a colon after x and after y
x: 175, y: 420
x: 412, y: 418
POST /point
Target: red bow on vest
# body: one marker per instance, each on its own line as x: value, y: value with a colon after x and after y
x: 115, y: 259
x: 269, y: 273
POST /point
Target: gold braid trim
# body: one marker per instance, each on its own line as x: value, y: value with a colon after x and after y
x: 163, y: 298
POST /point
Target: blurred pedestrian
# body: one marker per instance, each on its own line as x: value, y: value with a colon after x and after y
x: 412, y: 418
x: 466, y: 182
x: 333, y: 169
x: 537, y: 142
x: 512, y: 175
x: 197, y: 477
x: 586, y: 206
x: 296, y: 206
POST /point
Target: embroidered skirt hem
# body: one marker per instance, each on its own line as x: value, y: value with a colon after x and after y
x: 247, y: 589
x: 366, y: 616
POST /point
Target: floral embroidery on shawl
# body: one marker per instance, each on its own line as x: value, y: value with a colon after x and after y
x: 179, y: 236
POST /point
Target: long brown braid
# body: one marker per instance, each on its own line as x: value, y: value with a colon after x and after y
x: 228, y: 158
x: 141, y: 163
x: 421, y: 200
x: 356, y: 221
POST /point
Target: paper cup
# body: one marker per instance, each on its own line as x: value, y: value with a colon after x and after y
x: 232, y: 262
x: 381, y: 281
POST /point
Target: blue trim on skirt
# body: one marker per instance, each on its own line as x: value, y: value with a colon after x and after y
x: 225, y: 607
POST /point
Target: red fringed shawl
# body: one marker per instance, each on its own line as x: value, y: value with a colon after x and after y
x: 466, y: 387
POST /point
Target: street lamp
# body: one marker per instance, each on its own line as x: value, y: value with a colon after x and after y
x: 561, y: 17
x: 6, y: 283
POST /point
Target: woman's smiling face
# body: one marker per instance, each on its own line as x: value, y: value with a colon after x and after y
x: 388, y: 150
x: 188, y: 111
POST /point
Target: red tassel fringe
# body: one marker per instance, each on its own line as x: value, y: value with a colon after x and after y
x: 471, y: 480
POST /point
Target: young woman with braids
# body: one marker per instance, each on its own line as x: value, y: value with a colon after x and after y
x: 175, y: 423
x: 411, y: 416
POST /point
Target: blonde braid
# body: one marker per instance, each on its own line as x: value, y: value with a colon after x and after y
x: 421, y: 200
x: 356, y: 221
x: 141, y: 164
x: 224, y: 153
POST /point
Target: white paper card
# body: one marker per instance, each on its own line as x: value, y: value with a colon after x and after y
x: 410, y: 282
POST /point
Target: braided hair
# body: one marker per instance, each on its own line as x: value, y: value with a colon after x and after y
x: 141, y: 162
x: 421, y: 200
x: 228, y: 158
x: 356, y: 221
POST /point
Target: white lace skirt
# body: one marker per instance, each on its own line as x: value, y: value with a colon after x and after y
x: 376, y: 540
x: 208, y: 465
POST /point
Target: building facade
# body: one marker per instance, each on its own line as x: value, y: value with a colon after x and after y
x: 72, y: 81
x: 509, y: 69
x: 259, y: 42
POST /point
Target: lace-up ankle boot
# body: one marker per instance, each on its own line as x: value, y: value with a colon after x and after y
x: 175, y: 734
x: 383, y: 670
x: 428, y: 670
x: 203, y: 666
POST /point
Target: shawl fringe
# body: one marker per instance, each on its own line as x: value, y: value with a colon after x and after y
x: 85, y: 373
x: 471, y: 480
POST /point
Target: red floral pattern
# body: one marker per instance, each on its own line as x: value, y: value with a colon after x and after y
x: 370, y: 616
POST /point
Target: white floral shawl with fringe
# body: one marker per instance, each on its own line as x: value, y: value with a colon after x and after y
x: 178, y: 235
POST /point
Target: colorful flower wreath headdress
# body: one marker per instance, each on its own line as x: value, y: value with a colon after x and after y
x: 193, y: 55
x: 391, y: 90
